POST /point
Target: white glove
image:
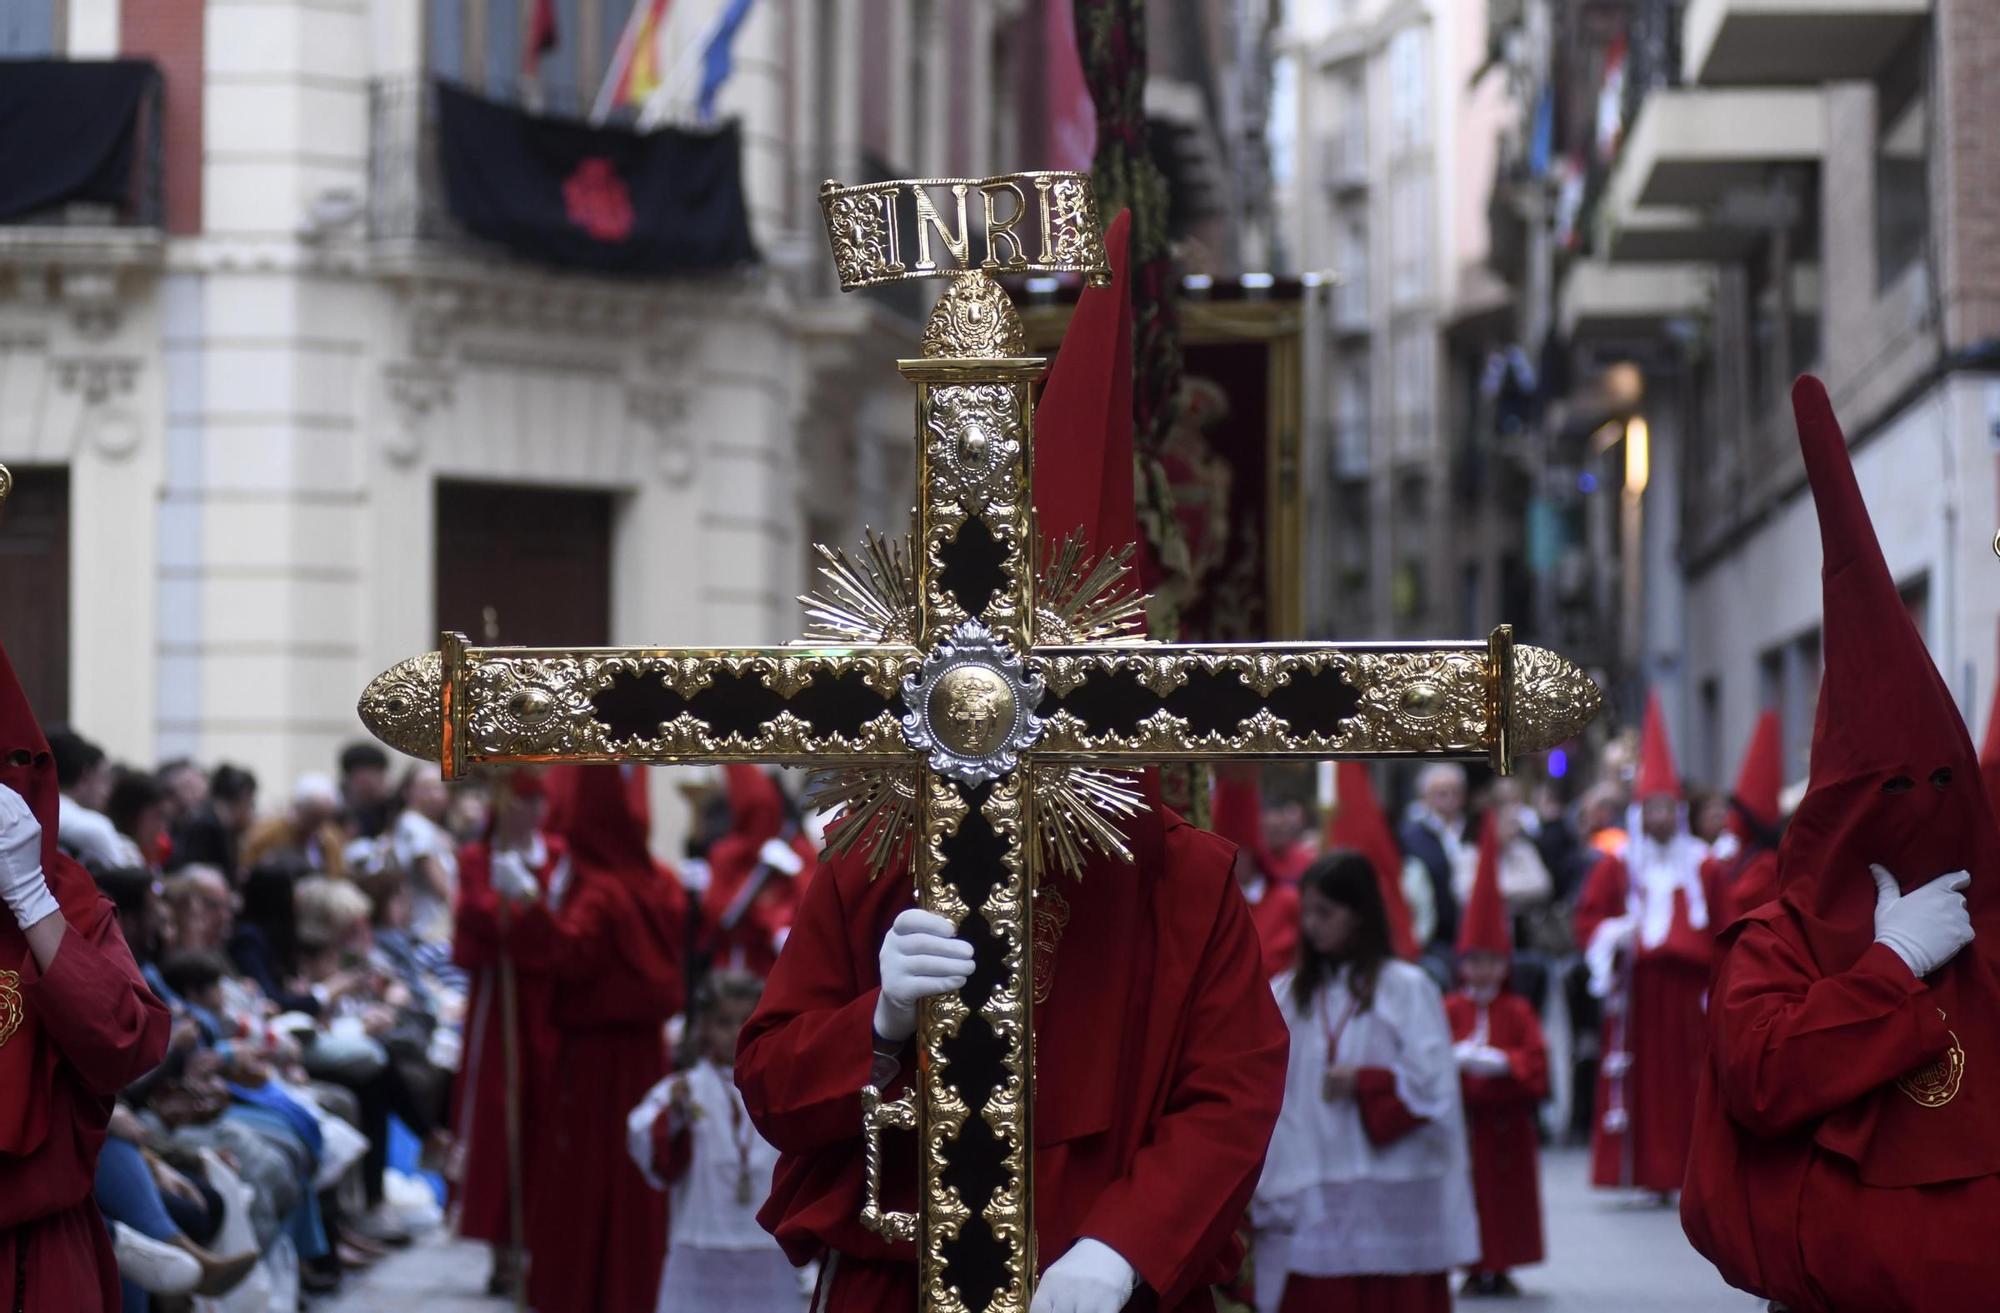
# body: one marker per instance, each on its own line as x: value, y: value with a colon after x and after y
x: 1480, y: 1059
x: 1090, y: 1278
x: 1927, y: 926
x: 920, y: 957
x: 512, y: 879
x: 780, y: 856
x: 21, y: 881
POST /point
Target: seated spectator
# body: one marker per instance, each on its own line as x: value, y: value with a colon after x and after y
x: 211, y: 832
x: 137, y: 809
x: 364, y: 789
x: 422, y: 848
x: 308, y: 834
x: 84, y: 775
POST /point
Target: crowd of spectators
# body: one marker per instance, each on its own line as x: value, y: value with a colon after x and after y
x: 287, y: 1139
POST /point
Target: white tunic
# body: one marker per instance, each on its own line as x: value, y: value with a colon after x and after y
x: 718, y: 1257
x: 1331, y: 1203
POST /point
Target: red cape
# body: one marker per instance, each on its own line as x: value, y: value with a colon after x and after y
x: 1152, y: 1148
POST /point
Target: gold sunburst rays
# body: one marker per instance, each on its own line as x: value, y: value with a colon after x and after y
x: 1080, y: 807
x: 877, y: 806
x: 871, y: 597
x: 1080, y: 598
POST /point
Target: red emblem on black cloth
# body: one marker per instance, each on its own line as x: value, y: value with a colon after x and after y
x: 597, y: 200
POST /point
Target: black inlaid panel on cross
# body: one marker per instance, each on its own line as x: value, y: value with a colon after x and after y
x: 975, y: 566
x: 636, y: 706
x: 974, y: 1059
x: 1212, y: 702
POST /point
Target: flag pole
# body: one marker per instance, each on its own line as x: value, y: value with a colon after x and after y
x: 621, y: 59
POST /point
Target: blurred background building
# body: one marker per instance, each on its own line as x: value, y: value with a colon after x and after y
x: 1583, y: 248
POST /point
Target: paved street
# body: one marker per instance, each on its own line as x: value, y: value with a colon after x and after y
x: 1606, y: 1257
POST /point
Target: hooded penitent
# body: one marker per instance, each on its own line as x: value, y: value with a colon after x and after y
x: 1237, y: 813
x: 1753, y: 803
x: 1894, y: 781
x: 1484, y: 928
x: 28, y: 1060
x: 1358, y: 822
x: 1658, y: 777
x: 756, y: 815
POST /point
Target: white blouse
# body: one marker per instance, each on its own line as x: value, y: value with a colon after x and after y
x: 1348, y: 1206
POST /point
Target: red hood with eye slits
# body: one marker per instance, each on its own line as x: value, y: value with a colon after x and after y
x: 1894, y: 781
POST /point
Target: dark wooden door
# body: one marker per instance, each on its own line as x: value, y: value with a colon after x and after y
x: 34, y: 586
x: 524, y: 565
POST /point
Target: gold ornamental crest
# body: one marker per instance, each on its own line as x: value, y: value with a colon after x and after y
x: 11, y: 1008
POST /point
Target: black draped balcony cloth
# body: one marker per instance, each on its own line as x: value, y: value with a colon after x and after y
x: 68, y: 130
x: 564, y: 192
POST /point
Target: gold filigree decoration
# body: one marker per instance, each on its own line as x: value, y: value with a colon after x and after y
x: 538, y: 706
x: 400, y: 706
x: 974, y: 319
x: 857, y: 227
x: 1935, y: 1084
x: 12, y: 1011
x: 1077, y: 234
x: 1553, y: 700
x: 6, y: 484
x: 1420, y: 701
x: 975, y: 443
x: 869, y: 599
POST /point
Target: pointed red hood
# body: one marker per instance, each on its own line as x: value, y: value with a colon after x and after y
x: 756, y: 815
x: 1484, y: 928
x: 1753, y: 812
x: 1082, y: 475
x: 1237, y: 811
x: 1894, y: 781
x: 27, y: 1058
x: 1357, y: 822
x: 1658, y: 776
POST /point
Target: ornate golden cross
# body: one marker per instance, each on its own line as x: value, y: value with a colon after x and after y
x: 976, y: 693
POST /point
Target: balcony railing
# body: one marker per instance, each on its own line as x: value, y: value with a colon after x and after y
x: 405, y: 181
x: 140, y: 201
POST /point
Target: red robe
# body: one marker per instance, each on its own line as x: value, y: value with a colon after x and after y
x: 1662, y: 1029
x: 1500, y: 1121
x: 1774, y: 1211
x: 597, y: 1231
x: 1276, y: 916
x: 1745, y: 882
x: 479, y: 1099
x: 756, y: 921
x: 1288, y: 864
x: 1161, y: 1058
x: 109, y: 1030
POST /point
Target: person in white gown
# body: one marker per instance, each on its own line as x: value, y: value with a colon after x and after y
x: 691, y: 1135
x: 1365, y: 1204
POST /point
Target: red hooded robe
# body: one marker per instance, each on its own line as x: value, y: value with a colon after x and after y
x: 1159, y: 1051
x: 71, y: 1037
x: 1847, y: 1157
x: 1746, y: 875
x: 1358, y: 822
x: 479, y: 1100
x: 597, y: 1232
x: 1238, y: 816
x: 1500, y: 1107
x: 747, y: 905
x: 1654, y: 1032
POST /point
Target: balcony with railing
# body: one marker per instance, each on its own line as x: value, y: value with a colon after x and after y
x: 85, y: 166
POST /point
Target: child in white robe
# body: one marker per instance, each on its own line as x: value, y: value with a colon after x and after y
x: 1366, y: 1202
x: 692, y: 1135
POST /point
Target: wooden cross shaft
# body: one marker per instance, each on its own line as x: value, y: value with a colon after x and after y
x: 987, y: 678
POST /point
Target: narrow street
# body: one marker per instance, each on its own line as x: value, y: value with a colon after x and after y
x: 1607, y: 1256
